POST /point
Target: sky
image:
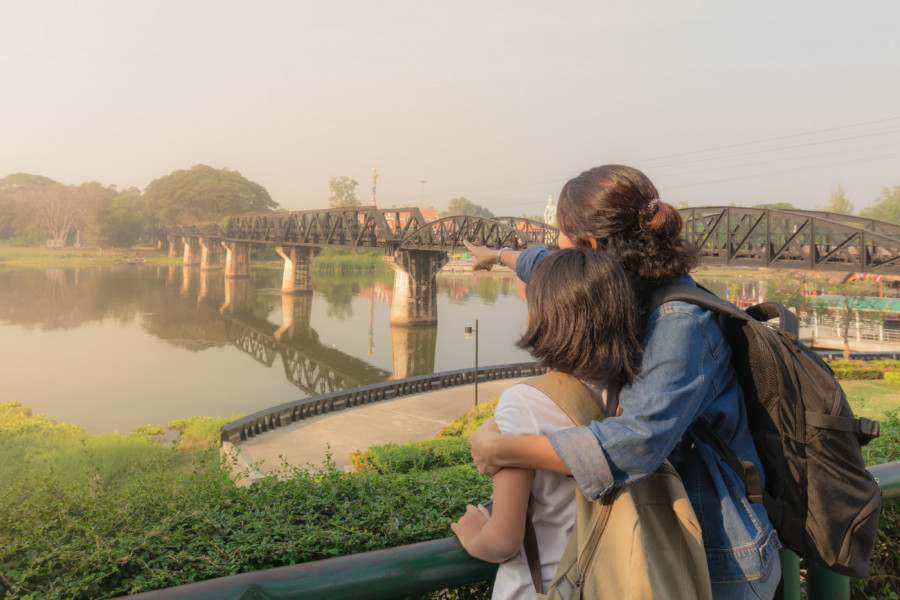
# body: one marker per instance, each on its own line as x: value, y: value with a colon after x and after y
x: 719, y: 102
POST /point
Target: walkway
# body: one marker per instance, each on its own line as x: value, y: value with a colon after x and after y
x: 406, y: 419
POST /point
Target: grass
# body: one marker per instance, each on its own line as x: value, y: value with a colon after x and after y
x: 872, y: 399
x: 75, y: 257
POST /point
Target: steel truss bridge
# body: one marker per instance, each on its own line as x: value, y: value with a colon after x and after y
x: 726, y: 235
x: 780, y: 239
x: 370, y: 228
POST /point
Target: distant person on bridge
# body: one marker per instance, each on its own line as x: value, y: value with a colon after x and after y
x: 568, y: 283
x: 685, y: 373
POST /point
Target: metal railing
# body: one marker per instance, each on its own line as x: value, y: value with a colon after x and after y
x: 443, y: 564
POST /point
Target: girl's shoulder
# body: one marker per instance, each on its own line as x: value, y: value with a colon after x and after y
x: 525, y: 410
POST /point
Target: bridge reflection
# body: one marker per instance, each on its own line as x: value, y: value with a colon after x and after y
x: 313, y: 366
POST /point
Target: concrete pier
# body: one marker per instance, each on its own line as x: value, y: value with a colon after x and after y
x: 297, y: 259
x: 237, y: 260
x: 415, y: 290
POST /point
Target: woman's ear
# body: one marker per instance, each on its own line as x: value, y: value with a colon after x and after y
x: 593, y: 242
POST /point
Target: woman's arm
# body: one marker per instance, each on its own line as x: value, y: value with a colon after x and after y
x: 497, y: 536
x: 492, y: 451
x: 486, y: 258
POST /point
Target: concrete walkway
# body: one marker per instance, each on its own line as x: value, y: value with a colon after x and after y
x: 406, y: 419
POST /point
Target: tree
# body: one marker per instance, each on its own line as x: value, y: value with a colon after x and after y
x: 343, y: 192
x: 839, y: 202
x: 17, y: 215
x: 775, y: 206
x: 887, y: 208
x: 59, y: 208
x: 203, y: 194
x: 852, y: 293
x: 121, y: 222
x: 462, y: 206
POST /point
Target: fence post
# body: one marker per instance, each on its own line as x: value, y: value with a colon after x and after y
x: 827, y: 585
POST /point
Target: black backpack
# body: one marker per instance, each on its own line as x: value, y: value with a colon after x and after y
x: 819, y: 496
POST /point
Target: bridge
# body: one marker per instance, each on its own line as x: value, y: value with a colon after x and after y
x: 416, y: 249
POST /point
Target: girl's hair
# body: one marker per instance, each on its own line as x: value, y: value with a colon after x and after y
x: 582, y: 316
x: 619, y: 207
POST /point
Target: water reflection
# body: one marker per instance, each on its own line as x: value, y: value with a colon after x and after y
x: 150, y: 344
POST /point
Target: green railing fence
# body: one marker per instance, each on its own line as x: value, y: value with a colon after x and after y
x: 441, y: 564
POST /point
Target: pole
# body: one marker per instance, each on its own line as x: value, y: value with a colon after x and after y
x: 476, y: 362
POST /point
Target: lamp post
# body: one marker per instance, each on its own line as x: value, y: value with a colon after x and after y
x: 469, y: 336
x: 422, y: 194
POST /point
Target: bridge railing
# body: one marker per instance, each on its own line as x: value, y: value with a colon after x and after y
x: 442, y: 564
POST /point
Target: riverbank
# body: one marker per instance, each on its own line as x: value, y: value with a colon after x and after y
x: 46, y: 258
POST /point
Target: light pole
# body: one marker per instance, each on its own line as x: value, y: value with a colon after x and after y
x: 469, y: 336
x: 422, y: 194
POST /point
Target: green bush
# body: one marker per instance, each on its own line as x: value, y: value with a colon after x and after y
x: 466, y: 424
x: 882, y: 581
x: 858, y: 374
x: 888, y: 364
x: 425, y: 455
x: 892, y: 377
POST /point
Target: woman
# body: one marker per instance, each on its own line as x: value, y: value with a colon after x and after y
x: 581, y: 322
x: 685, y: 373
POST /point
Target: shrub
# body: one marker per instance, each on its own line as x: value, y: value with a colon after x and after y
x: 892, y: 377
x: 882, y: 581
x: 466, y: 424
x: 421, y: 456
x: 857, y: 374
x: 886, y: 365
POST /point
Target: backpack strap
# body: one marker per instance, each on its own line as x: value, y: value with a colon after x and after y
x: 577, y: 402
x: 685, y: 292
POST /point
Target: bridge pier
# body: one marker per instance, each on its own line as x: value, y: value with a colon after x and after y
x: 415, y: 291
x: 295, y: 313
x: 237, y: 296
x: 174, y: 244
x: 210, y: 254
x: 297, y: 278
x: 191, y: 251
x: 237, y: 259
x: 413, y: 350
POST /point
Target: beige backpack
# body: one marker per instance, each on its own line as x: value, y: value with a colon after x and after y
x: 640, y: 541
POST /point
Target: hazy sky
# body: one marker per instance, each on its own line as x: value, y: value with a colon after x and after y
x: 718, y: 101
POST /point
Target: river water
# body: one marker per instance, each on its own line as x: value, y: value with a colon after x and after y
x: 110, y: 348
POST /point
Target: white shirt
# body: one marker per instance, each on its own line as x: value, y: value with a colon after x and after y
x: 524, y: 410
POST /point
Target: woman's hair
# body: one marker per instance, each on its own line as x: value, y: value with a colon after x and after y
x: 619, y: 207
x: 582, y: 316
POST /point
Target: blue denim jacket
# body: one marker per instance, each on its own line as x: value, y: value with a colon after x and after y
x: 685, y: 372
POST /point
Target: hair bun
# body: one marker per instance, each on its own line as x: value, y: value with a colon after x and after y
x: 661, y: 220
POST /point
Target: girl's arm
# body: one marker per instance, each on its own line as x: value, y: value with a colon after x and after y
x: 492, y: 451
x: 498, y: 536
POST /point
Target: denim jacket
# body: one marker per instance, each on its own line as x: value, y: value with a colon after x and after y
x: 685, y: 372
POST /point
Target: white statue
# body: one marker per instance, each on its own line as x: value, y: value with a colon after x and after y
x: 550, y: 211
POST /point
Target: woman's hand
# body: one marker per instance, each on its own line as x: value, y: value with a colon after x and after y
x: 470, y: 525
x: 481, y: 442
x: 485, y: 258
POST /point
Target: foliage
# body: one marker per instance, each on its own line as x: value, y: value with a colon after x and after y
x: 882, y: 581
x: 852, y: 293
x: 463, y: 206
x: 425, y: 455
x: 200, y: 432
x: 838, y: 202
x: 343, y: 192
x: 338, y: 260
x: 892, y: 377
x: 852, y: 373
x: 466, y: 424
x: 204, y: 194
x: 776, y: 206
x: 887, y: 207
x: 121, y: 220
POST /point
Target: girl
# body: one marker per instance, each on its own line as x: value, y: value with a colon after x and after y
x: 581, y: 322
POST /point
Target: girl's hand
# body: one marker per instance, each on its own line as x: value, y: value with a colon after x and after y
x: 470, y: 525
x: 481, y: 442
x: 485, y: 258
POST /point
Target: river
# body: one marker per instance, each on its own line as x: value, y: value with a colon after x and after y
x: 110, y: 348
